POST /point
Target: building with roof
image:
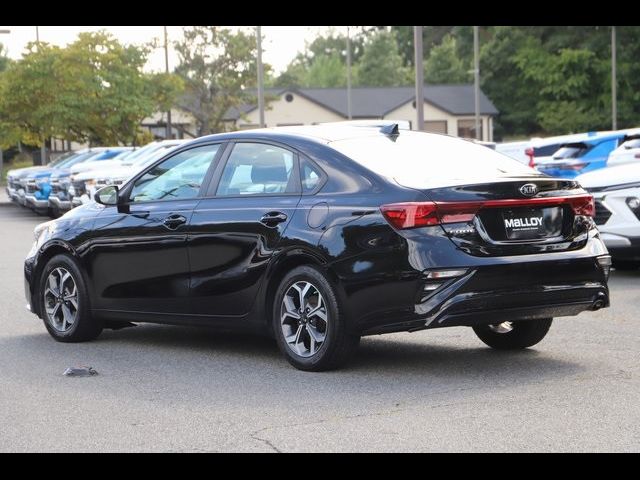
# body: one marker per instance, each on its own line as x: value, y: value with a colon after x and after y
x: 447, y: 108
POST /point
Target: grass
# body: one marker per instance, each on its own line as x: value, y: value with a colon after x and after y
x: 10, y: 166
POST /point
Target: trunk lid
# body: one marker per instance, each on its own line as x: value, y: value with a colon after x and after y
x: 516, y: 216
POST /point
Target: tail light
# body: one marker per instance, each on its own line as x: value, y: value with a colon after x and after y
x: 530, y: 153
x: 637, y: 155
x: 424, y: 214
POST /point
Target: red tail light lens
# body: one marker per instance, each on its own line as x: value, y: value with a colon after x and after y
x: 411, y: 214
x: 425, y: 214
x: 583, y: 205
x: 530, y: 153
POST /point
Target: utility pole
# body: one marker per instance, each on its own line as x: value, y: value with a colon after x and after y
x: 417, y: 42
x: 260, y: 79
x: 2, y: 32
x: 348, y: 75
x: 169, y: 132
x: 614, y: 86
x: 476, y: 81
x: 43, y: 148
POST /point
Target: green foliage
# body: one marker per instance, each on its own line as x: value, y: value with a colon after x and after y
x: 381, y: 63
x: 445, y: 66
x: 92, y: 90
x: 327, y: 71
x: 216, y: 66
x: 4, y: 60
x: 322, y: 64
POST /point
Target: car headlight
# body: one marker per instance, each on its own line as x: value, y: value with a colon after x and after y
x: 634, y: 205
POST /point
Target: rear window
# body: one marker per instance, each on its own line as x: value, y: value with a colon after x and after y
x: 424, y: 160
x: 629, y: 144
x: 546, y: 151
x: 574, y: 150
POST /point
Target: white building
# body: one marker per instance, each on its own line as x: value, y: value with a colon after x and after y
x: 447, y: 108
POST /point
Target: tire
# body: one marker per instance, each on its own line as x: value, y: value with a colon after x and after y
x: 625, y: 265
x: 84, y: 327
x: 337, y: 345
x: 522, y: 335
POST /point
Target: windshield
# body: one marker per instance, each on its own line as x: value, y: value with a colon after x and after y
x: 629, y: 144
x: 140, y: 152
x: 62, y: 158
x: 76, y: 159
x: 573, y: 150
x: 425, y: 160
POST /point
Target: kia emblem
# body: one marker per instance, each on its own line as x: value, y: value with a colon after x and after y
x: 528, y: 189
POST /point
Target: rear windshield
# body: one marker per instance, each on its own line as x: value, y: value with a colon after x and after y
x: 629, y: 144
x: 573, y: 150
x: 546, y: 151
x: 425, y: 160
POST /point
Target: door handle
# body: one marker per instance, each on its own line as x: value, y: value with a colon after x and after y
x: 174, y: 221
x: 271, y: 219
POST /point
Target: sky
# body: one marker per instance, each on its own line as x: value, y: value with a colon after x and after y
x: 280, y: 44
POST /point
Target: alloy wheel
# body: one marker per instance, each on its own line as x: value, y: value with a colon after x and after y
x: 61, y: 299
x: 304, y: 319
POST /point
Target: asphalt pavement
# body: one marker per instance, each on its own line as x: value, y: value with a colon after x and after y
x: 176, y: 389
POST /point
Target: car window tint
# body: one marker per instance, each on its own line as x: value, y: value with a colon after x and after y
x: 255, y: 168
x: 179, y: 177
x: 429, y: 160
x: 310, y: 174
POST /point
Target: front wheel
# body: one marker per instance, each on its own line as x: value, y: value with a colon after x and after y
x: 513, y: 335
x: 309, y: 326
x: 65, y: 302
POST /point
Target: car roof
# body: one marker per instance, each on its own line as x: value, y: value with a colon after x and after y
x: 326, y: 133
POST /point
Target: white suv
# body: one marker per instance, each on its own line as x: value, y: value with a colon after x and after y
x: 616, y: 191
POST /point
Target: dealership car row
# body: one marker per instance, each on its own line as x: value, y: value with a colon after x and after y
x: 605, y: 163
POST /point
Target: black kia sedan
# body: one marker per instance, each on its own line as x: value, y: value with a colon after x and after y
x: 320, y: 235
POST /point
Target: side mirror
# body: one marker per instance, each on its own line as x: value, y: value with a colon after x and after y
x: 107, y: 196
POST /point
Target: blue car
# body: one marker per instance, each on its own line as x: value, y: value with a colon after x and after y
x: 58, y: 199
x: 575, y: 158
x: 37, y: 184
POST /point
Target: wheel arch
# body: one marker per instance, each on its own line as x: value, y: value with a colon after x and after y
x: 46, y: 253
x: 287, y: 262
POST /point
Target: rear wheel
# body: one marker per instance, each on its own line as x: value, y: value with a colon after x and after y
x: 65, y: 302
x: 309, y: 327
x: 513, y: 335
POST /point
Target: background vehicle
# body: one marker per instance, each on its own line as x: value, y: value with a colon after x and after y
x: 59, y: 200
x: 14, y: 176
x: 574, y: 158
x: 314, y: 235
x: 617, y: 198
x: 85, y: 184
x: 628, y: 152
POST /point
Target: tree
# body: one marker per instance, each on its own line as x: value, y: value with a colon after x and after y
x: 327, y: 71
x: 445, y: 66
x: 93, y: 90
x: 217, y: 66
x: 4, y: 60
x: 323, y: 62
x: 381, y: 63
x: 570, y: 94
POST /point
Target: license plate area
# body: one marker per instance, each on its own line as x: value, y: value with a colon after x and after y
x: 532, y: 223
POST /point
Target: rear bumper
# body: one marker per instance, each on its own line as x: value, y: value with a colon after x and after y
x: 507, y: 292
